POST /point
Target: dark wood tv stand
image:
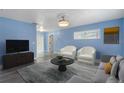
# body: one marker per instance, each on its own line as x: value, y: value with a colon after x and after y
x: 15, y: 59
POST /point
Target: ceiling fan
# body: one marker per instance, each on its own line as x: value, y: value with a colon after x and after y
x: 63, y: 22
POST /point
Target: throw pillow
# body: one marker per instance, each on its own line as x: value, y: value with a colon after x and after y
x: 112, y: 60
x: 114, y: 69
x: 119, y: 58
x: 101, y: 65
x: 107, y: 68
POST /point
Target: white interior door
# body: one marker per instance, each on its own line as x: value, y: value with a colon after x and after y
x: 40, y: 44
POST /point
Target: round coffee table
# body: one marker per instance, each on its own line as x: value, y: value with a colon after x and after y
x: 62, y: 62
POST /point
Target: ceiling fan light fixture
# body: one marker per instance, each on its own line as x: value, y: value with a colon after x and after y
x: 63, y: 22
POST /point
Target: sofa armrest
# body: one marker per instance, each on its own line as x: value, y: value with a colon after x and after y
x: 74, y: 53
x: 79, y: 52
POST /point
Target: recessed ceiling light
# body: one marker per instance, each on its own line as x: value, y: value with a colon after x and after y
x: 40, y: 28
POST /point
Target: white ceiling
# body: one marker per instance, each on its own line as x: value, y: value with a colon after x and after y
x: 48, y: 17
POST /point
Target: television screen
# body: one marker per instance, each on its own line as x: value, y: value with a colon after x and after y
x: 17, y: 46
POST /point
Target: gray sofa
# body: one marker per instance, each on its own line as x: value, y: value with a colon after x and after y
x: 118, y: 76
x: 77, y: 79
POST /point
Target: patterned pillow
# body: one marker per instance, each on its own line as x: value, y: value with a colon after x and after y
x: 107, y: 68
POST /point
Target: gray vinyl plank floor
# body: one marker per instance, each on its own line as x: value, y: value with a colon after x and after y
x: 12, y: 76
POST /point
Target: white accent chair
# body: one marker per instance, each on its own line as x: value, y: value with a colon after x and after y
x: 87, y: 54
x: 68, y: 51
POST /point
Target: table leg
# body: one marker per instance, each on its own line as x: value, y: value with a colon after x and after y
x: 62, y: 68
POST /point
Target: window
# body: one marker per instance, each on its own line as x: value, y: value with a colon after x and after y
x: 111, y: 35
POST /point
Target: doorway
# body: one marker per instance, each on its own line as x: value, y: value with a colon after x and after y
x: 40, y: 44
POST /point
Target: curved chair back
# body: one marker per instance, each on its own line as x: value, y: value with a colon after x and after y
x: 69, y: 48
x: 88, y: 50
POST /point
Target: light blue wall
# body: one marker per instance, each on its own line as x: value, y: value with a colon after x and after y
x: 12, y: 29
x: 122, y: 50
x: 65, y: 37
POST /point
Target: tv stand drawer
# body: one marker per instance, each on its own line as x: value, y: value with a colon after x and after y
x: 16, y: 59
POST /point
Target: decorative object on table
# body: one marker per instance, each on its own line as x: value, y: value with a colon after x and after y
x: 59, y: 57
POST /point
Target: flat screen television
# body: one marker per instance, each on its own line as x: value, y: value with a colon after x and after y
x: 13, y: 46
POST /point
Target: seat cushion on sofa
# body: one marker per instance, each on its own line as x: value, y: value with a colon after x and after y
x: 112, y: 79
x: 121, y: 71
x: 121, y: 81
x: 100, y: 76
x: 77, y: 79
x: 121, y: 64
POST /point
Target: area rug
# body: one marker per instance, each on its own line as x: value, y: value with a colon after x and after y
x: 46, y: 72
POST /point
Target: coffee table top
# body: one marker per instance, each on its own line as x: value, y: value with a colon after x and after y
x: 62, y: 61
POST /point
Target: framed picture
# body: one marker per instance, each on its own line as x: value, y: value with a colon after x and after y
x: 89, y: 34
